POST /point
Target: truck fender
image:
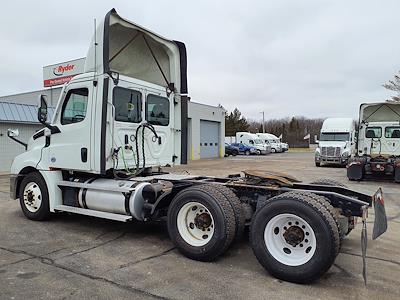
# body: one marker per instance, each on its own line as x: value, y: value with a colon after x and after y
x: 50, y: 177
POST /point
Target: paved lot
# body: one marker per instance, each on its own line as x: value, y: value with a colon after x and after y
x: 75, y: 257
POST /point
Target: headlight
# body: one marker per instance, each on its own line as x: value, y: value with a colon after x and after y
x: 345, y: 154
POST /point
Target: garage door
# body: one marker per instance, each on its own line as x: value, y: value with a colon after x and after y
x: 209, y: 139
x: 8, y: 148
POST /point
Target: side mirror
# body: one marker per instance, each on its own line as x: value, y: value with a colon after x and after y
x: 42, y: 109
x: 12, y: 132
x: 316, y: 138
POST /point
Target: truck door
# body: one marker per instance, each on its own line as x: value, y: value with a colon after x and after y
x: 392, y: 139
x: 159, y: 112
x: 373, y: 142
x: 70, y: 149
x: 134, y: 105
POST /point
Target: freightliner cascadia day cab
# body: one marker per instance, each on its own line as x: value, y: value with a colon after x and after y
x: 336, y: 142
x: 252, y: 140
x: 378, y: 142
x: 117, y: 124
x: 274, y: 141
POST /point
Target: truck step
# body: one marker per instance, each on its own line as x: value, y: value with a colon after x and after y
x: 93, y: 213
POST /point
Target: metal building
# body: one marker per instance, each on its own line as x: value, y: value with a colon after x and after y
x: 16, y: 116
x: 206, y: 129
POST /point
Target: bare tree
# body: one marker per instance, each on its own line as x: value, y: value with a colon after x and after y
x: 394, y: 85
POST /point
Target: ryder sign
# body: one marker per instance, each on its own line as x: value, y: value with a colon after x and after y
x: 63, y: 72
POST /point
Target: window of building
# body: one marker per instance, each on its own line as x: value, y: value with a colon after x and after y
x: 128, y: 105
x: 157, y: 110
x: 75, y: 106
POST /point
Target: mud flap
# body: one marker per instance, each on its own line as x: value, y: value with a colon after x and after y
x: 380, y: 222
x: 397, y: 173
x: 355, y: 170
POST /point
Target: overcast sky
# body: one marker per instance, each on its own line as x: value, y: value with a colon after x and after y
x: 312, y: 57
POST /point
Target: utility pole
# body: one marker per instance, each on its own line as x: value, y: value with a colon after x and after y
x: 263, y: 123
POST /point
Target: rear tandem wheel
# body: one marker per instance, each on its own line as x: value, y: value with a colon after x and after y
x: 294, y: 237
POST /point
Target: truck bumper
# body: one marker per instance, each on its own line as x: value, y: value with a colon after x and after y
x: 13, y: 186
x: 337, y: 160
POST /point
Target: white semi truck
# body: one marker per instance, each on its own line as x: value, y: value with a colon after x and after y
x: 378, y: 142
x: 252, y: 140
x: 336, y: 142
x: 274, y: 141
x: 117, y: 124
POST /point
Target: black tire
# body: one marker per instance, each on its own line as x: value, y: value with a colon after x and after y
x: 330, y: 182
x: 234, y: 153
x: 258, y: 152
x: 273, y: 150
x: 43, y: 212
x: 240, y: 217
x: 321, y: 222
x: 247, y: 152
x: 334, y: 213
x: 224, y: 221
x: 317, y: 164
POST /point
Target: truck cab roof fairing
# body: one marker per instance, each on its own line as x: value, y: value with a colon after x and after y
x: 151, y: 57
x: 379, y: 112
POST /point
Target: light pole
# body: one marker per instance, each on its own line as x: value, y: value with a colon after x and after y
x: 263, y: 123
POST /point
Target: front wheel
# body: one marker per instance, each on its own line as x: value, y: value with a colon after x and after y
x: 34, y: 197
x: 294, y: 238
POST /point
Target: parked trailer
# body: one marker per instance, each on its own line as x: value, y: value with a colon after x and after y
x: 112, y: 126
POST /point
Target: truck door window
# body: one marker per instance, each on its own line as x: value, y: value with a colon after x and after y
x: 74, y: 107
x: 373, y: 132
x: 392, y: 132
x: 128, y: 105
x: 157, y: 110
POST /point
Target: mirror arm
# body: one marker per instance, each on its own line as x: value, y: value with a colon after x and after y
x: 19, y: 141
x: 53, y: 129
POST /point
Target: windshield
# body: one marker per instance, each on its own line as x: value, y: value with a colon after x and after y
x: 335, y: 136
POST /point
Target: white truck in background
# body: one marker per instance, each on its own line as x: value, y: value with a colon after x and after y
x: 336, y: 142
x: 378, y: 142
x: 251, y: 139
x: 274, y: 141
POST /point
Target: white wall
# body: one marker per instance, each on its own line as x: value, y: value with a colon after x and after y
x: 9, y: 148
x: 197, y: 112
